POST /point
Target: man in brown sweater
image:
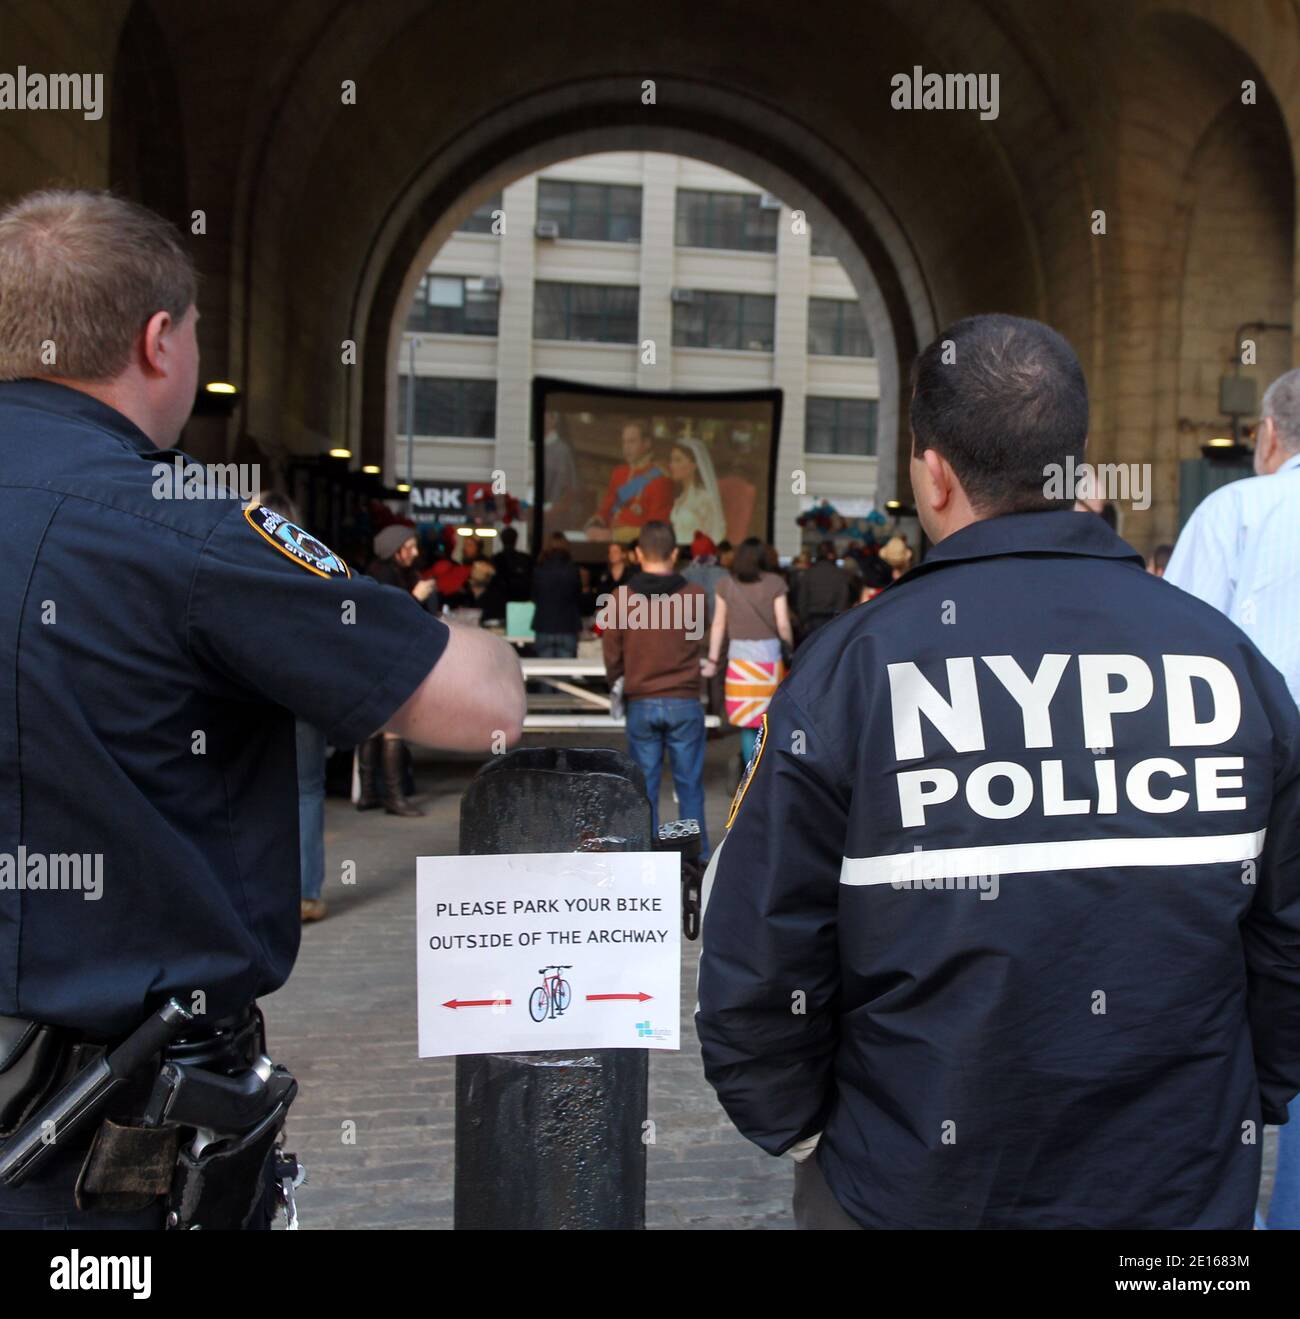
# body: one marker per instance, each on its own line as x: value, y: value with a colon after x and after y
x: 653, y: 635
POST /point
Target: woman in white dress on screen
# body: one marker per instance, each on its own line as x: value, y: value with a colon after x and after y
x: 698, y: 506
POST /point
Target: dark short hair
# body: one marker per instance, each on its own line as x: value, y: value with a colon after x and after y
x: 509, y: 537
x: 747, y: 566
x: 1003, y: 399
x: 876, y: 572
x: 557, y: 547
x: 657, y: 541
x: 826, y: 550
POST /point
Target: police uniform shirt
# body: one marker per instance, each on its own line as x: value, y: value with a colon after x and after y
x: 156, y: 650
x: 1011, y: 887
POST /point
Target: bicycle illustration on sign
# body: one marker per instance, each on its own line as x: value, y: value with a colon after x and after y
x: 550, y: 998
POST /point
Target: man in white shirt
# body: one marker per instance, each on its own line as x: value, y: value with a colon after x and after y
x: 1240, y: 552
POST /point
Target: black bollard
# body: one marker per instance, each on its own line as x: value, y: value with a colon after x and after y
x: 554, y: 1139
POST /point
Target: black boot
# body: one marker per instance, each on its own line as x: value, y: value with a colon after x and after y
x: 394, y: 801
x: 368, y: 772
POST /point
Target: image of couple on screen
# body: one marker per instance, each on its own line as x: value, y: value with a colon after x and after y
x: 684, y: 494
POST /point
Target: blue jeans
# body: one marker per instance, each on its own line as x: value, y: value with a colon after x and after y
x: 675, y: 725
x: 311, y: 808
x: 1284, y: 1208
x: 555, y: 645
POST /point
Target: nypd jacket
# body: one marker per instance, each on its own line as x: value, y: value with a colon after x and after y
x: 1009, y: 906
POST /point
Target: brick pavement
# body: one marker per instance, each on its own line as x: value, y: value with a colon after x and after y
x: 346, y: 1025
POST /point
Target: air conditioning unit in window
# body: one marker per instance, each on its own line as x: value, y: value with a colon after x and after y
x: 769, y: 203
x: 547, y: 229
x: 683, y: 295
x: 490, y: 283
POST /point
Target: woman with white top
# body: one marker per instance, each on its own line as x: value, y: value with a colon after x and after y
x: 698, y: 506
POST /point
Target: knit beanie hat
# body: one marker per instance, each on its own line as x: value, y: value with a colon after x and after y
x: 391, y: 539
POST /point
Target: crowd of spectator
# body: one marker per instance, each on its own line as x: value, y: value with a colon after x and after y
x: 757, y: 612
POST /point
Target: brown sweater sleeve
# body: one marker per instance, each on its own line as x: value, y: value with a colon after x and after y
x: 611, y: 639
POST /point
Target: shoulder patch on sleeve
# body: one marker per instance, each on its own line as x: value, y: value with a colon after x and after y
x: 748, y: 777
x: 295, y: 543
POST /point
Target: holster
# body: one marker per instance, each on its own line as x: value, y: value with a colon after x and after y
x: 128, y: 1167
x: 228, y: 1185
x: 32, y: 1060
x: 205, y: 1140
x: 36, y: 1061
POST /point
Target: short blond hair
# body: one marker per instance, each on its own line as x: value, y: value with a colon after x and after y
x: 81, y: 273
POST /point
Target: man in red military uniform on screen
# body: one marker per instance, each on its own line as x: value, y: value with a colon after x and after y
x: 639, y: 490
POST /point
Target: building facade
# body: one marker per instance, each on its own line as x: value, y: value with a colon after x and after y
x: 639, y: 270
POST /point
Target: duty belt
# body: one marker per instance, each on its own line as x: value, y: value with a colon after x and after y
x: 209, y: 1130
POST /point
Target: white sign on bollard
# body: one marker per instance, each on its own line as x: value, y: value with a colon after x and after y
x: 548, y: 950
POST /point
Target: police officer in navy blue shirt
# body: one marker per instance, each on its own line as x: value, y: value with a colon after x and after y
x: 156, y: 650
x: 1005, y: 932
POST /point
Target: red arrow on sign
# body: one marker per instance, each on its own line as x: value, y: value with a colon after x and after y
x: 596, y: 998
x: 475, y: 1002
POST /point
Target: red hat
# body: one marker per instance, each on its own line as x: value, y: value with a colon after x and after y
x: 702, y: 546
x: 450, y: 576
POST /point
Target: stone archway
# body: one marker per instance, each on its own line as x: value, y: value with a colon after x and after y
x: 1207, y: 247
x: 721, y: 128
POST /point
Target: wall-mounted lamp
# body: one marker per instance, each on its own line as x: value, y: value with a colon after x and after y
x: 217, y: 398
x: 1223, y: 448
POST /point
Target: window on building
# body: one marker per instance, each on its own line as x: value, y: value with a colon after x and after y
x: 819, y: 244
x: 836, y: 328
x: 725, y: 320
x: 736, y: 220
x: 590, y: 313
x: 841, y: 425
x: 603, y: 212
x: 454, y: 304
x: 465, y: 409
x: 480, y: 221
